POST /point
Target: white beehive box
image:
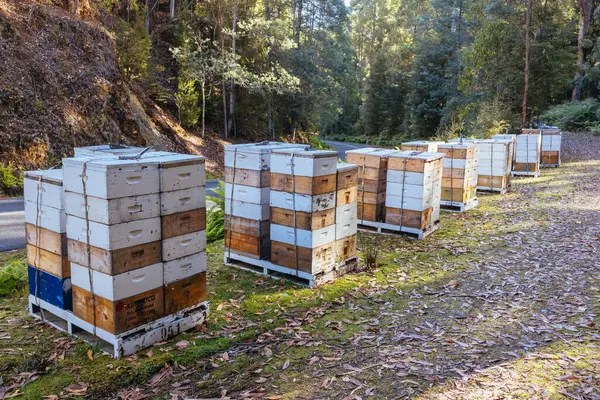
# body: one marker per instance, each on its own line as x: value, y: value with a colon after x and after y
x: 46, y: 217
x: 117, y: 287
x: 113, y: 211
x: 238, y: 208
x: 248, y: 194
x: 183, y: 245
x: 113, y: 237
x: 45, y: 186
x: 303, y: 238
x: 346, y: 213
x: 427, y: 146
x: 303, y: 202
x: 110, y: 178
x: 309, y: 163
x: 185, y: 267
x: 178, y: 201
x: 255, y: 156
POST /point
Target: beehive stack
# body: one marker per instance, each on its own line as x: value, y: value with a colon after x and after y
x: 346, y: 216
x: 136, y: 237
x: 427, y: 146
x: 414, y: 184
x: 49, y: 273
x: 551, y: 147
x: 495, y: 164
x: 513, y: 141
x: 247, y: 192
x: 372, y: 174
x: 303, y: 208
x: 459, y: 181
x: 527, y: 153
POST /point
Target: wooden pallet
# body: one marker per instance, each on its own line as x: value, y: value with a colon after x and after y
x: 267, y: 268
x: 493, y: 190
x: 525, y: 173
x: 452, y: 206
x: 382, y: 227
x: 126, y: 343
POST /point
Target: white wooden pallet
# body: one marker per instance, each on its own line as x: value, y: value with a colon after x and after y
x: 126, y: 343
x: 493, y: 190
x: 525, y: 173
x: 267, y: 268
x: 382, y: 227
x: 453, y: 206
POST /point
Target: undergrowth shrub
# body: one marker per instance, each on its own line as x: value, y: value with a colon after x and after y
x: 11, y: 180
x: 371, y: 256
x: 574, y: 116
x: 13, y: 277
x: 215, y: 219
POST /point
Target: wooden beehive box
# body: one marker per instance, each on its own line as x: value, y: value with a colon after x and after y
x: 247, y: 194
x: 528, y: 153
x: 372, y: 173
x: 414, y: 189
x: 551, y: 147
x: 495, y: 164
x: 346, y: 212
x: 459, y: 181
x: 303, y: 205
x: 427, y: 146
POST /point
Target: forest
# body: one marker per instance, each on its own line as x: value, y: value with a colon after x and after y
x: 193, y: 75
x: 363, y: 70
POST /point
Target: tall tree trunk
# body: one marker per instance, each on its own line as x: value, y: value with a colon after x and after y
x: 76, y: 7
x: 526, y: 69
x: 232, y: 89
x: 585, y: 14
x: 299, y: 21
x: 224, y: 90
x: 148, y: 11
x: 172, y: 10
x: 203, y: 106
x: 270, y: 125
x: 223, y: 83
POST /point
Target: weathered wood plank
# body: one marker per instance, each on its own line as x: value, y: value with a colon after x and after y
x: 182, y: 223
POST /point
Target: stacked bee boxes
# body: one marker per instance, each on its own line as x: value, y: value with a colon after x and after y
x: 247, y: 192
x: 45, y: 226
x: 495, y: 164
x: 372, y: 174
x: 427, y: 146
x: 136, y: 237
x: 551, y: 147
x: 346, y: 216
x: 414, y: 184
x: 527, y: 153
x: 459, y: 181
x: 513, y: 141
x: 303, y: 208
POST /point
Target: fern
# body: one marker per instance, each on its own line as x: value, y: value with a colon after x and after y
x: 215, y: 220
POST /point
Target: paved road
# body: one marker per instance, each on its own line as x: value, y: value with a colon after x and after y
x: 343, y: 147
x: 12, y: 228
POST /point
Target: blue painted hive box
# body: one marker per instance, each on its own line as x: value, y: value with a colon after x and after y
x: 50, y: 288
